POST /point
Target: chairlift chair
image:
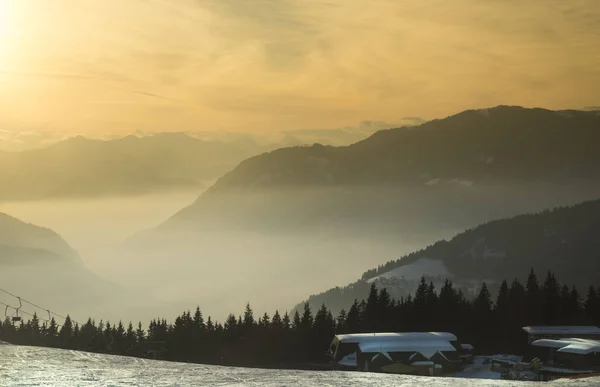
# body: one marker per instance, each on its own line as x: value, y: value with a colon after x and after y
x: 17, y: 318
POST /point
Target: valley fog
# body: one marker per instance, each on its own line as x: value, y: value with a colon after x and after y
x: 220, y: 271
x: 272, y: 249
x: 90, y: 224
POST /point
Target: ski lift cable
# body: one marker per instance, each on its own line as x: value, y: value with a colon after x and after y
x: 35, y: 306
x: 23, y: 312
x: 15, y: 308
x: 29, y: 302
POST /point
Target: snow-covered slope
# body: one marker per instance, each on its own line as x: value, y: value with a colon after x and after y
x: 424, y: 266
x: 405, y: 279
x: 53, y: 367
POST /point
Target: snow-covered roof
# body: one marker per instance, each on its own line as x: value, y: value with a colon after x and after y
x: 562, y: 330
x: 422, y: 363
x: 375, y: 337
x: 549, y: 343
x: 582, y: 348
x: 571, y: 345
x: 427, y: 348
x: 467, y: 346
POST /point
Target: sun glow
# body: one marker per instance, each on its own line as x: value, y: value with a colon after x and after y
x: 7, y: 22
x: 5, y: 17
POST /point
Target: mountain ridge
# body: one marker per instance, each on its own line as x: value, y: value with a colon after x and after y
x: 502, y: 144
x: 84, y: 167
x: 501, y: 119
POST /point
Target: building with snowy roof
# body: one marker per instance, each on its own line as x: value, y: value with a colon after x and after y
x: 561, y: 331
x: 567, y: 356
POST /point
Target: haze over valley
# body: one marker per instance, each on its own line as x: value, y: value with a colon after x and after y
x: 303, y: 219
x: 159, y: 155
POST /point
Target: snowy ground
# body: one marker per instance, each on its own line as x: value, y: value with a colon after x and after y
x: 29, y: 366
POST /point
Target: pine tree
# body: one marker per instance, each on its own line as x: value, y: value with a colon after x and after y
x: 384, y: 312
x: 592, y: 306
x: 502, y: 316
x: 341, y: 325
x: 265, y: 321
x: 248, y: 317
x: 35, y: 327
x: 353, y: 322
x: 66, y: 333
x: 323, y: 329
x: 296, y: 322
x: 483, y: 302
x: 501, y: 307
x: 210, y: 327
x: 371, y: 316
x: 199, y: 320
x: 306, y: 322
x: 565, y: 312
x: 130, y: 340
x: 575, y: 307
x: 482, y: 314
x: 432, y: 298
x: 420, y: 300
x: 286, y: 320
x: 140, y: 335
x: 75, y: 333
x: 86, y: 336
x: 534, y: 300
x: 120, y: 332
x: 276, y: 322
x: 517, y: 304
x: 551, y: 299
x: 230, y: 325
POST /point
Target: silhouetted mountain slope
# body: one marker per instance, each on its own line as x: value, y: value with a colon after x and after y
x: 478, y: 145
x: 22, y: 239
x: 490, y: 156
x: 37, y: 264
x: 130, y: 165
x: 563, y: 240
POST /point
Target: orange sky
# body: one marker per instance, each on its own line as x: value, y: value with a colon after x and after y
x: 266, y: 65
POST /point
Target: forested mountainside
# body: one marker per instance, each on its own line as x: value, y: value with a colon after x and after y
x: 564, y: 240
x: 84, y: 167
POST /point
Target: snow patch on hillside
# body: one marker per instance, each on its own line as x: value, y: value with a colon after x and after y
x: 414, y: 271
x: 480, y: 250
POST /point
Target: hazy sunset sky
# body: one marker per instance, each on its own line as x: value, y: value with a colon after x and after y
x: 266, y: 65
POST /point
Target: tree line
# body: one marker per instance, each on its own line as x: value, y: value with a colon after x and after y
x: 302, y: 339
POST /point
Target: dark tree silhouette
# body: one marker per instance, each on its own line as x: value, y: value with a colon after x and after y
x: 302, y: 342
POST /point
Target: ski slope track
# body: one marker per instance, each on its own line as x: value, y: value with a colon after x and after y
x: 32, y: 366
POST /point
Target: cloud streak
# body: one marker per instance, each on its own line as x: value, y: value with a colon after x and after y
x: 284, y: 64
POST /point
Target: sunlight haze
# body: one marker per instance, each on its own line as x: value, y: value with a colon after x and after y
x: 163, y: 65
